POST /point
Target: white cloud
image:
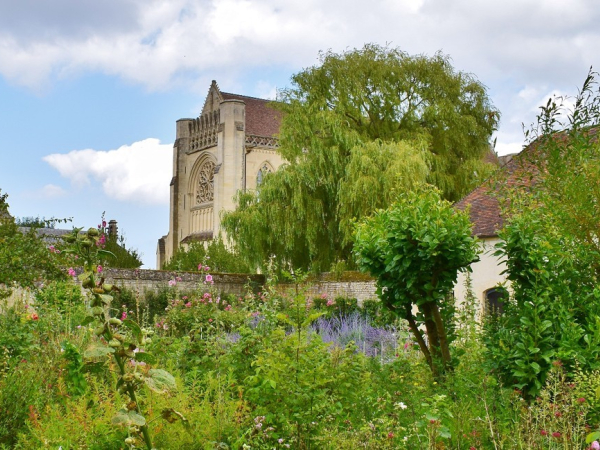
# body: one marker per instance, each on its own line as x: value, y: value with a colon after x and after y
x: 531, y: 45
x: 52, y: 191
x: 139, y: 172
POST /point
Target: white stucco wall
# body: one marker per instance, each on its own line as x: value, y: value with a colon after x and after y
x: 486, y: 273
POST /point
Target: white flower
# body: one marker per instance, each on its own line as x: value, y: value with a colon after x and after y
x: 401, y: 405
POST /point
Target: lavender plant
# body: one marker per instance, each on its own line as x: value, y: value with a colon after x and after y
x: 372, y: 341
x: 120, y: 338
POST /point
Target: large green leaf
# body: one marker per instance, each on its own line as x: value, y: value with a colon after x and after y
x: 97, y: 351
x: 135, y: 329
x: 145, y: 357
x: 160, y: 381
x: 128, y: 418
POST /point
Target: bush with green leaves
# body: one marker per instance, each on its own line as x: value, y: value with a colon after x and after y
x: 415, y: 250
x: 215, y: 252
x: 551, y: 248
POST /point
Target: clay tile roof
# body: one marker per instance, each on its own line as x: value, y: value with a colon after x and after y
x: 485, y: 211
x: 261, y: 118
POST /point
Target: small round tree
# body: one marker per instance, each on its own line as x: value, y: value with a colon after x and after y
x: 415, y: 250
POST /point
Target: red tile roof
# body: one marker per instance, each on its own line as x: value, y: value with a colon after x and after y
x: 485, y: 209
x: 261, y: 118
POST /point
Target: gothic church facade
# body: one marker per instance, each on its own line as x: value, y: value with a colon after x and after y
x: 228, y: 148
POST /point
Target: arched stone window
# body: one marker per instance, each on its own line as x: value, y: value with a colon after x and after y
x: 495, y: 298
x: 205, y: 185
x: 265, y: 169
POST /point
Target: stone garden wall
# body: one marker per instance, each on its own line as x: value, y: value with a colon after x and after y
x: 143, y: 280
x: 347, y: 284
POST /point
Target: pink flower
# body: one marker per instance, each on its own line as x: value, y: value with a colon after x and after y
x: 34, y: 316
x: 188, y: 305
x: 71, y: 272
x: 124, y: 315
x: 209, y: 278
x: 390, y: 435
x: 330, y: 302
x: 178, y: 278
x: 581, y: 400
x: 200, y: 267
x: 172, y: 282
x: 104, y: 224
x: 595, y: 445
x: 185, y: 297
x: 99, y: 269
x: 206, y: 268
x: 210, y: 320
x: 544, y: 433
x: 556, y: 434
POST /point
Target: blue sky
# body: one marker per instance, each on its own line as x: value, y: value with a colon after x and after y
x: 90, y: 91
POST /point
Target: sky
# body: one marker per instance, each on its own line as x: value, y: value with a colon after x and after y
x: 90, y: 90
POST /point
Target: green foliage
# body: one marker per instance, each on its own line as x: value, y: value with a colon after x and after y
x: 215, y: 253
x: 551, y: 250
x: 119, y: 339
x: 415, y: 250
x: 74, y: 377
x: 124, y: 258
x: 267, y: 381
x: 24, y: 257
x: 359, y: 129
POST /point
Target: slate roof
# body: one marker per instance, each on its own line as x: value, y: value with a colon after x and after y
x: 261, y: 118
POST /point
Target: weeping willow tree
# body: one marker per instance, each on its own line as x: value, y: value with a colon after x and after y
x: 358, y: 129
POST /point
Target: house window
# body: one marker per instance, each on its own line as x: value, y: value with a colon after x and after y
x: 495, y: 299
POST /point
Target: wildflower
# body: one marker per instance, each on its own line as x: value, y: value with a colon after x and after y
x: 104, y: 224
x: 280, y: 440
x: 330, y: 303
x: 390, y: 435
x: 177, y: 278
x: 200, y: 266
x: 556, y: 435
x: 581, y: 400
x: 71, y: 272
x: 557, y: 414
x: 595, y: 445
x: 99, y: 269
x: 124, y: 315
x: 210, y: 320
x: 188, y: 305
x: 172, y: 282
x: 185, y: 297
x: 34, y: 316
x: 544, y: 433
x: 401, y: 405
x: 209, y: 278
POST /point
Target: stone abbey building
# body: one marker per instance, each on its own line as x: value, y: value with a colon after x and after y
x: 227, y: 148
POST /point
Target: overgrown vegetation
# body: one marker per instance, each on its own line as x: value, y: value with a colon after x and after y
x: 215, y: 252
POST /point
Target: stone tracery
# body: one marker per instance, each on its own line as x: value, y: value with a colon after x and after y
x: 205, y: 188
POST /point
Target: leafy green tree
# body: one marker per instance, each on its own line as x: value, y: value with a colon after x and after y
x: 415, y: 250
x: 215, y: 254
x: 357, y: 129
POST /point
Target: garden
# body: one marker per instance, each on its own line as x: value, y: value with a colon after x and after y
x: 86, y: 364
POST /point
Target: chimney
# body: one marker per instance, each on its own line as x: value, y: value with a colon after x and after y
x: 112, y: 228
